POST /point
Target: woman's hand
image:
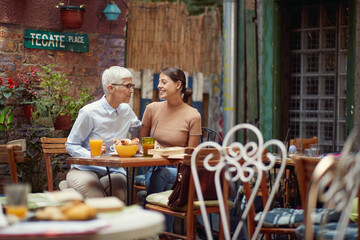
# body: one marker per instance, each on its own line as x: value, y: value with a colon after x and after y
x: 157, y: 145
x: 103, y: 149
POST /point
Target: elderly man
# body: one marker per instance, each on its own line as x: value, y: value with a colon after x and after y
x: 110, y: 117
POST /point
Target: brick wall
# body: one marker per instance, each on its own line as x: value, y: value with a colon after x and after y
x: 84, y: 69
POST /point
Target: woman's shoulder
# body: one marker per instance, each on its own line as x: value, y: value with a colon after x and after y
x: 191, y: 109
x: 155, y: 104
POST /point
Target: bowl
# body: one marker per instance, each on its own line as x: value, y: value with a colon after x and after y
x: 126, y: 150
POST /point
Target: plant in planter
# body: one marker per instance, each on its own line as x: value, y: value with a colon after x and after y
x: 10, y: 91
x: 55, y: 103
x: 76, y: 104
x: 30, y: 82
x: 54, y: 100
x: 71, y: 16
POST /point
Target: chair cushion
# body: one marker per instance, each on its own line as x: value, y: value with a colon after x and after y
x: 139, y: 180
x: 162, y: 198
x: 351, y: 232
x: 288, y: 217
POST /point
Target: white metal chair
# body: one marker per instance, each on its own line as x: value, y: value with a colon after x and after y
x: 241, y: 162
x: 335, y: 182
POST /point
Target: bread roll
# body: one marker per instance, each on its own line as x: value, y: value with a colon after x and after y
x: 125, y: 141
x: 135, y: 141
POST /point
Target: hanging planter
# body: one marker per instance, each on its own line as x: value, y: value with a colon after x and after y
x: 62, y: 122
x: 6, y: 118
x: 72, y: 16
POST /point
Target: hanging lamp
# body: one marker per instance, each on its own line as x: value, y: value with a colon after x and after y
x: 112, y: 11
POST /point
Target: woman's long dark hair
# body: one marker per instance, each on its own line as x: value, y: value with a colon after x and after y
x: 177, y: 74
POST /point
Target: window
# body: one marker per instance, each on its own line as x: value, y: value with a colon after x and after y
x: 317, y: 87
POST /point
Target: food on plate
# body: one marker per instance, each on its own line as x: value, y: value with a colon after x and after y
x: 135, y: 141
x: 126, y: 141
x: 75, y: 210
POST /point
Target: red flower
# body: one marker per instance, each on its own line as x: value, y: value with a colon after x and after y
x: 1, y: 82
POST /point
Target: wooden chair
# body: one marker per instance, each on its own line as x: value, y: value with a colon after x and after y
x: 51, y: 146
x: 335, y: 183
x: 304, y: 168
x: 242, y: 164
x: 11, y: 154
x: 191, y: 210
x: 303, y: 143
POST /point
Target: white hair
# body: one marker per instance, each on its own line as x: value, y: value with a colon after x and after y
x: 114, y: 74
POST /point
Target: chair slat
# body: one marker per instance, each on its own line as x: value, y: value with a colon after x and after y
x: 53, y: 140
x: 53, y: 145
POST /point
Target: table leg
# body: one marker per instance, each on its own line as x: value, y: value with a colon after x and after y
x: 108, y: 173
x: 127, y: 187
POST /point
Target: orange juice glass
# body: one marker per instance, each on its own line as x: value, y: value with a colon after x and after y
x: 148, y: 143
x: 19, y: 211
x: 95, y: 146
x: 16, y: 199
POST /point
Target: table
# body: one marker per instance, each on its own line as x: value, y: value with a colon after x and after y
x: 131, y: 223
x: 116, y: 161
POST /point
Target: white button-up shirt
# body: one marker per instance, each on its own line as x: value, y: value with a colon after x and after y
x: 99, y: 119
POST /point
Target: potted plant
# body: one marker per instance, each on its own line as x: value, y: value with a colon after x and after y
x: 77, y: 103
x: 9, y: 92
x: 30, y: 83
x: 71, y: 16
x: 55, y: 103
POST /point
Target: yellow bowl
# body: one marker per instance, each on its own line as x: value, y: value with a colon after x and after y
x: 126, y: 150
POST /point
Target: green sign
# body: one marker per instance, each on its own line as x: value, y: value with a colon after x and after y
x: 73, y: 42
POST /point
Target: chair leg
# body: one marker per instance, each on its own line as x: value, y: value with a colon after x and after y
x: 190, y: 228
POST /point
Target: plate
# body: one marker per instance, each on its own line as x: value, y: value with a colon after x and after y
x: 116, y: 154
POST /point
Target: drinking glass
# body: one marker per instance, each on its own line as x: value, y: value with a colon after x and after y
x: 16, y: 199
x: 148, y: 143
x: 314, y: 151
x: 95, y: 146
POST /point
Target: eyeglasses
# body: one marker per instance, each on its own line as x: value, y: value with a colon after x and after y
x: 128, y: 86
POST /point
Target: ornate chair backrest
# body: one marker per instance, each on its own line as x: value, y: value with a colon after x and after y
x: 240, y: 162
x: 335, y: 182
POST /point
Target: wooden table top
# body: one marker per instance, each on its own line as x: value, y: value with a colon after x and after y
x: 116, y: 161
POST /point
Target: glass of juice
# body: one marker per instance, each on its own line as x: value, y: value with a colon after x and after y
x: 16, y: 199
x: 148, y: 143
x: 95, y: 146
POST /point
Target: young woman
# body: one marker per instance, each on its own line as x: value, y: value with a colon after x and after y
x: 177, y: 124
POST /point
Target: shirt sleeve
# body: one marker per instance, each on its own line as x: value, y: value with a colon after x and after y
x: 79, y: 133
x: 195, y: 124
x: 146, y: 120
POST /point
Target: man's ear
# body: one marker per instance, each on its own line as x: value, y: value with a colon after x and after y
x: 110, y: 88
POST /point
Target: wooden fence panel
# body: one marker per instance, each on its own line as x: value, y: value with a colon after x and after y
x: 162, y: 34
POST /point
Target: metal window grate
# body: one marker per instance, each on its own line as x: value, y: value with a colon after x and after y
x: 318, y: 45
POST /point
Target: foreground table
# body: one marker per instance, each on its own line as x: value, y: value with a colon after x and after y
x: 116, y: 161
x: 131, y: 223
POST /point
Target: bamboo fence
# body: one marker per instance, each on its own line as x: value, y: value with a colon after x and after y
x: 162, y: 34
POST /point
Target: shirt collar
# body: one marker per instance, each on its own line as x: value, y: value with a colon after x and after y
x: 107, y: 106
